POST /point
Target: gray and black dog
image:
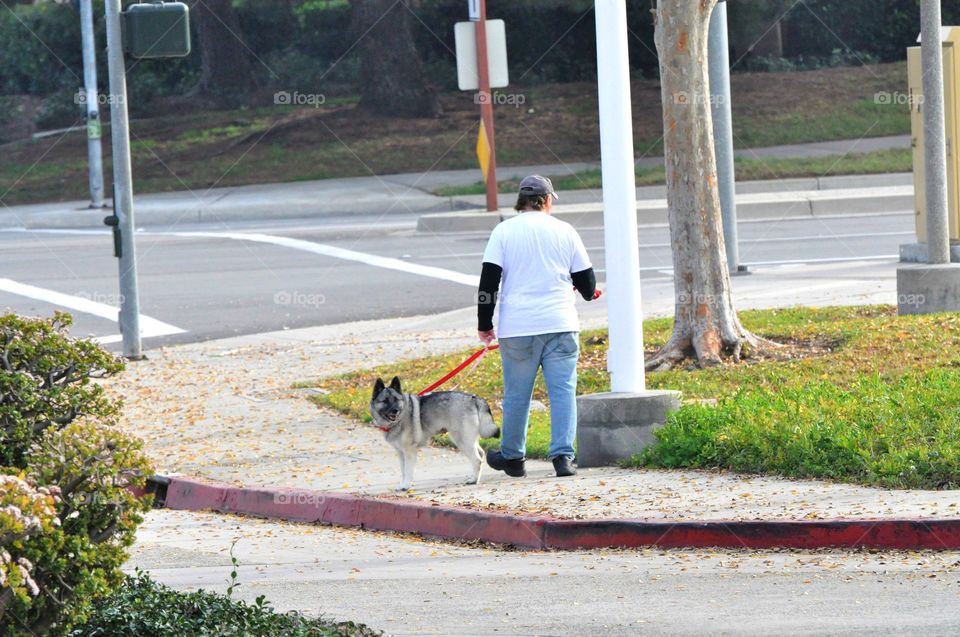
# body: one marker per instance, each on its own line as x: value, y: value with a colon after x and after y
x: 409, y: 421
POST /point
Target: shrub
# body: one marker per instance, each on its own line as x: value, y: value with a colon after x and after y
x: 69, y: 515
x: 47, y: 381
x: 59, y: 109
x: 145, y: 608
x: 296, y: 71
x: 24, y: 512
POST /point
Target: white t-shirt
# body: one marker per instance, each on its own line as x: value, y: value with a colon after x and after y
x: 537, y: 253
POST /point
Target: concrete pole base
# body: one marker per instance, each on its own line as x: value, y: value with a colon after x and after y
x: 615, y: 426
x: 917, y: 253
x: 924, y: 289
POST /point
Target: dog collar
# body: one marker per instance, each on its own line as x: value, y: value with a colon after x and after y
x: 385, y: 429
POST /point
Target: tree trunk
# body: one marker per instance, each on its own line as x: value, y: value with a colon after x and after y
x: 705, y: 322
x: 225, y: 60
x: 392, y: 81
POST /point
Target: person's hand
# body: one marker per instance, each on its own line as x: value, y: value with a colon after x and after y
x: 487, y: 337
x: 597, y: 293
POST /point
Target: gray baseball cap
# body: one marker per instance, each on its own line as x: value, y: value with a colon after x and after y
x: 537, y: 185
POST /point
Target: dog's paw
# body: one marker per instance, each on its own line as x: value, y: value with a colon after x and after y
x: 403, y: 488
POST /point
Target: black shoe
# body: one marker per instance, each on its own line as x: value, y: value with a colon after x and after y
x: 564, y: 466
x: 513, y: 468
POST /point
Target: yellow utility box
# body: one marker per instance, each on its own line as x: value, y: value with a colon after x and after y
x: 950, y: 36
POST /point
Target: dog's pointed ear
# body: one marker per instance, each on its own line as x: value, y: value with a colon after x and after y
x: 395, y: 384
x: 377, y: 388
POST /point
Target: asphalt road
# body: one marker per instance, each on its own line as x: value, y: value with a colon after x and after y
x: 406, y: 586
x: 207, y: 281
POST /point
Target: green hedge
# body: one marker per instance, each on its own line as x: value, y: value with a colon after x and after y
x: 144, y: 608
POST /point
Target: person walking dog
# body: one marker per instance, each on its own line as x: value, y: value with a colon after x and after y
x: 529, y: 265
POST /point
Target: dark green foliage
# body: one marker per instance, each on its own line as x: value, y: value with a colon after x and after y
x: 47, y: 380
x: 881, y: 28
x: 59, y: 109
x: 39, y: 48
x: 145, y: 608
x: 58, y: 436
x: 547, y: 41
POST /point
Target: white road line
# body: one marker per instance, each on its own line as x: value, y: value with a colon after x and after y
x: 879, y: 257
x: 859, y: 285
x: 469, y: 279
x: 149, y: 327
x: 338, y: 253
x: 882, y: 257
x: 815, y: 237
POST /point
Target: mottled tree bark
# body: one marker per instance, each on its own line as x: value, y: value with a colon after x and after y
x: 706, y: 326
x: 392, y: 81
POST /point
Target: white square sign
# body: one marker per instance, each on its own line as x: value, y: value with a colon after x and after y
x: 466, y: 37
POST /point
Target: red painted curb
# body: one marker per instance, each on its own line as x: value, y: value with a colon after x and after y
x: 383, y: 514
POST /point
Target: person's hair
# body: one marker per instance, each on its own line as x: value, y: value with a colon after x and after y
x: 531, y: 202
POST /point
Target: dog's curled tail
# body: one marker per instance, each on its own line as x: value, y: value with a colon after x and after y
x: 488, y: 428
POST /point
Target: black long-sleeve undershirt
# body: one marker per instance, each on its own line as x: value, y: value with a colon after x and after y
x: 487, y: 295
x: 585, y: 281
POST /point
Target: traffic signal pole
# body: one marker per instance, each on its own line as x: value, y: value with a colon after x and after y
x: 123, y: 185
x: 486, y: 105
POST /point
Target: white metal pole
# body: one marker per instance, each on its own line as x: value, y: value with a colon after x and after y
x: 91, y: 104
x: 934, y: 134
x: 123, y: 184
x: 718, y: 57
x: 625, y: 356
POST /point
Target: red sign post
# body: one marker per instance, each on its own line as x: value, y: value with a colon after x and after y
x: 478, y: 13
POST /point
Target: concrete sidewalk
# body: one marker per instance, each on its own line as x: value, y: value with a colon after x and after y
x: 398, y: 196
x: 799, y: 198
x: 226, y: 411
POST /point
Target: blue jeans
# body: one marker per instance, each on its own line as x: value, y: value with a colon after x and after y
x: 522, y: 356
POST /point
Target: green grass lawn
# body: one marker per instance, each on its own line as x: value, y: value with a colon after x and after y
x: 878, y: 162
x: 860, y: 395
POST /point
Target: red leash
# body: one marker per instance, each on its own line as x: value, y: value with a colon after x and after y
x: 459, y: 368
